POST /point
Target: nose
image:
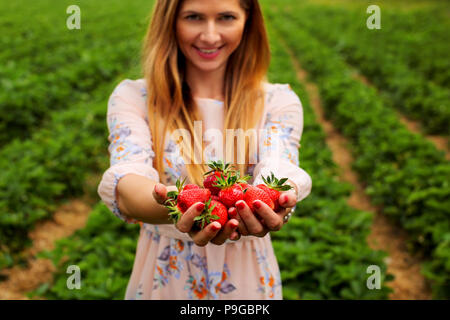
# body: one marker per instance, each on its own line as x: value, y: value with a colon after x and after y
x: 210, y: 35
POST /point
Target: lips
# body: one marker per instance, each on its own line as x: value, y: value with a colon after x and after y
x: 208, y: 53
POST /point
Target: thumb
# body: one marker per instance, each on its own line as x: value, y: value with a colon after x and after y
x: 160, y: 193
x: 287, y: 199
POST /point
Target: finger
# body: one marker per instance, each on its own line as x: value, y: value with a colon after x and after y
x: 287, y: 199
x: 202, y: 237
x: 235, y: 236
x: 187, y: 219
x: 160, y: 193
x: 226, y: 232
x: 241, y: 227
x: 252, y: 224
x: 272, y: 220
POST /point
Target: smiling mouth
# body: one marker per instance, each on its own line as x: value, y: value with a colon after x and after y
x: 209, y: 51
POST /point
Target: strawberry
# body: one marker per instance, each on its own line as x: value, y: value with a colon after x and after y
x: 253, y: 193
x: 231, y: 190
x: 191, y: 186
x: 217, y: 169
x: 187, y: 198
x: 273, y: 187
x: 214, y: 211
x: 179, y: 201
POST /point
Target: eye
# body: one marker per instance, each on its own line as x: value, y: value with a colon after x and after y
x: 227, y: 17
x: 193, y: 17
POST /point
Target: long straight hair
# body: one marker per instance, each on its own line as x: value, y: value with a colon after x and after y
x: 170, y: 103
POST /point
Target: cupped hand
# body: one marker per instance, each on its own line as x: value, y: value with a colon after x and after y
x: 250, y: 224
x: 213, y: 232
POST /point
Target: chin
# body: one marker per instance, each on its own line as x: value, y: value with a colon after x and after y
x: 205, y: 67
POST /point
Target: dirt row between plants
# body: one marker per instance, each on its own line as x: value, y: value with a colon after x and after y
x: 67, y: 219
x: 440, y: 142
x: 409, y: 283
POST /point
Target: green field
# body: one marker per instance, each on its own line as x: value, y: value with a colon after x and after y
x: 54, y: 88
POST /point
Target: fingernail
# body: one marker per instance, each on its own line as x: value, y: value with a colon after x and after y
x: 240, y: 205
x: 215, y: 227
x: 285, y: 198
x: 257, y: 204
x: 232, y: 212
x: 234, y: 224
x: 200, y: 207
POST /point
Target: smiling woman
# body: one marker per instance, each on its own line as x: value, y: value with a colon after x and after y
x: 207, y: 61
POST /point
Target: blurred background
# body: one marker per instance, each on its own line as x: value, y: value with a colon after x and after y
x: 375, y: 88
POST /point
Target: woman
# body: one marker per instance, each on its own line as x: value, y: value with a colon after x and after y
x: 204, y: 60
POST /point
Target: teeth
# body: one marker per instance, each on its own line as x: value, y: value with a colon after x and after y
x: 208, y: 51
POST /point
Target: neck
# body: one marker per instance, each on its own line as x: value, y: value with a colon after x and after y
x: 209, y: 84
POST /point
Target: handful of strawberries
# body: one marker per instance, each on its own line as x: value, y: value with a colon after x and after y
x: 223, y: 187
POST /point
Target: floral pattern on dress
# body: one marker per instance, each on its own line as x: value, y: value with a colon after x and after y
x: 168, y: 263
x: 276, y: 138
x: 202, y: 284
x: 121, y: 148
x: 268, y: 283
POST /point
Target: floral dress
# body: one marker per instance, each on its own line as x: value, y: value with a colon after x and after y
x: 168, y: 265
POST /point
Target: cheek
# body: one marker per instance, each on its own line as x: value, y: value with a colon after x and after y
x: 182, y: 35
x: 235, y: 37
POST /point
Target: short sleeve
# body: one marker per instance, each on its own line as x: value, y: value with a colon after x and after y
x: 280, y: 142
x: 130, y: 145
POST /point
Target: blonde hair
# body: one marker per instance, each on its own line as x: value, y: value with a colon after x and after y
x: 169, y: 98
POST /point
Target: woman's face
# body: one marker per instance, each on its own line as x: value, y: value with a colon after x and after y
x: 208, y: 31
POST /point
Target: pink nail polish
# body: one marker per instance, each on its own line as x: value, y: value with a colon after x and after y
x: 215, y: 227
x: 201, y: 206
x: 257, y: 204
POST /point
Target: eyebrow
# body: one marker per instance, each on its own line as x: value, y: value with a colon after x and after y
x: 220, y: 13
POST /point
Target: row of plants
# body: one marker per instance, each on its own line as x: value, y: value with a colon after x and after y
x: 402, y: 172
x: 417, y: 36
x: 48, y: 167
x: 388, y: 57
x: 322, y: 252
x: 56, y: 77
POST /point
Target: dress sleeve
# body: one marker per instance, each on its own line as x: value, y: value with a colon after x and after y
x: 280, y: 142
x: 130, y: 145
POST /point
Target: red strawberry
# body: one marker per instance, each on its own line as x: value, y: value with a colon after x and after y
x: 214, y: 211
x: 210, y: 181
x: 253, y: 193
x: 179, y: 201
x: 218, y: 168
x: 231, y: 190
x: 187, y: 198
x: 273, y: 187
x: 213, y: 197
x: 191, y: 186
x: 230, y: 195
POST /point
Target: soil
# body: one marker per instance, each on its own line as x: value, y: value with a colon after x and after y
x: 69, y: 217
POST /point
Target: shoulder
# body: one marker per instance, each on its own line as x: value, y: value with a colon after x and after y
x: 131, y: 88
x: 278, y: 95
x: 130, y: 92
